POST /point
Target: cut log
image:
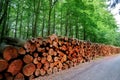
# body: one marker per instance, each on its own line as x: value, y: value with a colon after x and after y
x: 64, y: 58
x: 60, y: 65
x: 21, y: 51
x: 56, y: 58
x: 28, y: 59
x: 51, y: 52
x: 15, y: 67
x: 49, y: 71
x: 31, y: 77
x: 49, y: 58
x: 37, y: 72
x: 39, y: 58
x: 52, y: 65
x: 29, y: 69
x: 43, y: 60
x: 19, y: 76
x: 39, y: 65
x: 55, y: 69
x: 42, y: 72
x: 3, y: 65
x: 9, y: 53
x: 35, y: 55
x: 46, y: 66
x: 35, y: 61
x: 44, y: 54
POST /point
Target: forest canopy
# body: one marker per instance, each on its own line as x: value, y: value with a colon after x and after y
x: 83, y: 19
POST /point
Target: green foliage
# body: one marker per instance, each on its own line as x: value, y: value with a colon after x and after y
x: 83, y: 19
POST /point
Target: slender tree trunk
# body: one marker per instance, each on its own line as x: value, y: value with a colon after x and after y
x: 51, y: 5
x: 54, y: 22
x: 2, y: 14
x: 34, y: 33
x: 4, y: 19
x: 84, y: 33
x: 49, y: 18
x: 20, y: 32
x: 33, y: 18
x: 16, y: 21
x: 1, y: 7
x: 43, y: 22
x: 61, y: 27
x: 66, y: 24
x: 76, y: 31
x: 7, y: 22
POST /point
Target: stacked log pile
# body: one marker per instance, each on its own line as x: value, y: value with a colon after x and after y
x: 45, y: 56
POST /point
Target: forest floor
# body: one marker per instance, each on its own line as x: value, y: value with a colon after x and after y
x: 105, y: 68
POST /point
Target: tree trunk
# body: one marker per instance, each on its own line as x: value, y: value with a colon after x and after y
x: 43, y: 22
x: 84, y: 33
x: 61, y: 27
x: 20, y: 32
x: 4, y: 19
x: 16, y: 20
x: 34, y: 33
x: 54, y: 22
x: 66, y: 24
x: 49, y: 18
x: 76, y: 31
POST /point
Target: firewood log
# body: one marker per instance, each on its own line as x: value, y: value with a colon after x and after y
x: 19, y: 76
x: 37, y: 72
x: 35, y: 61
x: 64, y: 58
x: 55, y: 69
x: 56, y: 58
x: 15, y: 67
x: 39, y: 65
x: 42, y: 72
x: 39, y: 58
x: 51, y: 65
x: 9, y: 53
x: 35, y: 55
x: 43, y: 60
x: 31, y: 77
x: 46, y: 66
x: 49, y: 71
x: 21, y: 51
x: 28, y: 59
x: 49, y: 58
x: 29, y: 69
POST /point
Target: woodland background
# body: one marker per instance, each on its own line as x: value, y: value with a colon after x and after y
x: 83, y: 19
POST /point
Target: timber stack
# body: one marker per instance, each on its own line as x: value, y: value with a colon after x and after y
x: 45, y: 56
